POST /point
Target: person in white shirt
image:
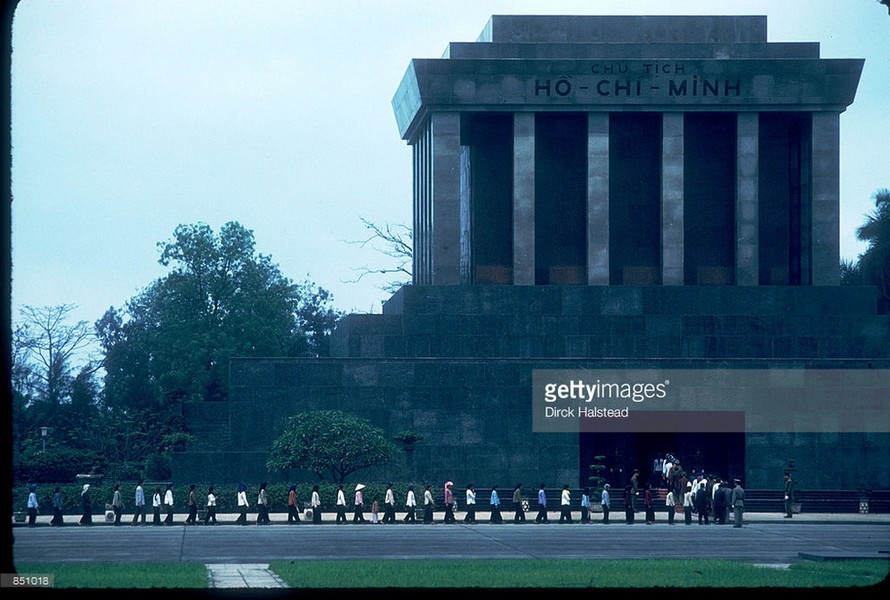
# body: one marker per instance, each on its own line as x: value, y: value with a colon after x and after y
x: 33, y: 505
x: 389, y: 505
x: 341, y: 506
x: 156, y: 506
x: 168, y: 503
x: 242, y: 505
x: 585, y: 506
x: 670, y: 502
x: 470, y: 517
x: 687, y: 504
x: 315, y: 503
x: 139, y: 509
x: 410, y: 506
x: 262, y: 503
x: 428, y: 504
x: 211, y: 507
x: 565, y: 505
x: 605, y: 503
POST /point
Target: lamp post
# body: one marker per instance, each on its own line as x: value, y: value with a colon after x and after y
x: 43, y: 433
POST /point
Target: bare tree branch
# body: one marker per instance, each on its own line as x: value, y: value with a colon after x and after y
x: 394, y: 241
x: 44, y: 339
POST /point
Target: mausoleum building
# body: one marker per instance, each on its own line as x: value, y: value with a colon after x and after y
x: 602, y: 194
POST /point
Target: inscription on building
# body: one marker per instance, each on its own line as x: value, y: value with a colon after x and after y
x: 620, y: 79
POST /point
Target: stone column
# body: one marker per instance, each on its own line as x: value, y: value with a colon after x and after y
x: 524, y: 198
x: 598, y: 198
x: 747, y: 252
x: 672, y: 199
x: 825, y: 198
x: 445, y: 129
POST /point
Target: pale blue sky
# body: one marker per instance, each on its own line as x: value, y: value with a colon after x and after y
x: 131, y: 117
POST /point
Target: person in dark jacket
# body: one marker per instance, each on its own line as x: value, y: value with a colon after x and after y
x: 701, y: 504
x: 738, y: 502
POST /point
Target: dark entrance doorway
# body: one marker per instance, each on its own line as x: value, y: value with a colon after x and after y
x: 720, y: 454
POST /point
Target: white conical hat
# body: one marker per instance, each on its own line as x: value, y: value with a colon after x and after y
x: 360, y: 486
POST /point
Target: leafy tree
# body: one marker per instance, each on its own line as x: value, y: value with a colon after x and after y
x: 221, y: 299
x: 885, y: 3
x: 394, y: 241
x: 329, y: 442
x: 874, y: 263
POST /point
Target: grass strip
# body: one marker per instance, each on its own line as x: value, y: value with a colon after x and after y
x: 493, y: 573
x: 497, y: 573
x: 121, y: 575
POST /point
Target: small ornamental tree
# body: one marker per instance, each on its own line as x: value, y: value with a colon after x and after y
x: 597, y: 479
x: 329, y: 443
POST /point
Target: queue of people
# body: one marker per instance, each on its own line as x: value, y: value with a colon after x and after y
x: 708, y: 498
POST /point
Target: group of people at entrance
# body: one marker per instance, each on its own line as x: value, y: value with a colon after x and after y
x: 709, y: 498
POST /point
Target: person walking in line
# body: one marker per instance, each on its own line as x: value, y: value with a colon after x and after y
x: 375, y: 510
x: 495, y: 502
x: 649, y: 502
x: 33, y: 505
x: 738, y: 502
x: 718, y: 501
x: 410, y: 506
x: 605, y: 503
x: 789, y: 495
x: 156, y: 501
x: 635, y: 489
x: 725, y: 490
x: 87, y: 505
x: 541, y: 517
x: 293, y: 512
x: 448, y: 496
x: 243, y: 504
x: 700, y: 501
x: 428, y: 505
x: 340, y: 506
x: 519, y: 509
x: 585, y: 505
x: 315, y: 504
x: 470, y: 517
x: 671, y: 503
x: 139, y: 504
x: 262, y: 505
x: 629, y: 512
x: 358, y: 516
x: 168, y: 504
x: 58, y: 505
x: 389, y: 505
x: 565, y: 505
x: 117, y: 504
x: 687, y: 504
x: 211, y: 507
x: 192, y: 503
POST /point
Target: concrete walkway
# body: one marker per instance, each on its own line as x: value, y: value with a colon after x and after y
x: 242, y: 576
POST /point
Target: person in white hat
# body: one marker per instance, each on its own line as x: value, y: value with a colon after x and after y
x: 359, y: 514
x: 87, y: 504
